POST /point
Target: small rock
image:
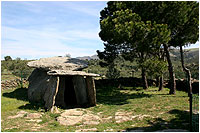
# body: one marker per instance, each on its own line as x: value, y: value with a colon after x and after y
x: 91, y: 122
x: 72, y: 112
x: 74, y: 116
x: 108, y: 130
x: 99, y: 113
x: 90, y: 117
x: 123, y: 116
x: 31, y: 120
x: 55, y: 110
x: 107, y: 118
x: 19, y: 114
x: 34, y: 115
x: 69, y: 120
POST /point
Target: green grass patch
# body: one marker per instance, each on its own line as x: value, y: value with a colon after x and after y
x: 165, y: 111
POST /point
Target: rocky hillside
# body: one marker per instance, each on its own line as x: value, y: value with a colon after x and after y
x: 88, y: 57
x: 190, y: 55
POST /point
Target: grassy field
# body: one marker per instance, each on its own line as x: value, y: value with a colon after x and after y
x: 157, y: 111
x: 8, y: 76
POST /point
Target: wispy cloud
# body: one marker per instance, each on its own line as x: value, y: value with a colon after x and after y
x: 43, y: 29
x: 89, y: 8
x: 35, y: 43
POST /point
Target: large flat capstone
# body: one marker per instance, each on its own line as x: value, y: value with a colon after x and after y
x: 58, y: 63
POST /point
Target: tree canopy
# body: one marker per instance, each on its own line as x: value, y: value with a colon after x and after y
x: 126, y: 34
x: 7, y: 58
x: 137, y: 29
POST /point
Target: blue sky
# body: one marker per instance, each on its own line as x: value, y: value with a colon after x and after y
x: 43, y: 29
x: 37, y: 29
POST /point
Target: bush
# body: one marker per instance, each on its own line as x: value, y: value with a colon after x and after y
x: 17, y: 67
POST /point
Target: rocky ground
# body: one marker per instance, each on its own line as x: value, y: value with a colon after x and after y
x: 81, y: 117
x: 9, y: 84
x: 32, y: 119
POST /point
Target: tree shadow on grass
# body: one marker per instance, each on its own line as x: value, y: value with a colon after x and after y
x: 169, y: 95
x: 113, y: 96
x: 19, y: 94
x: 180, y: 122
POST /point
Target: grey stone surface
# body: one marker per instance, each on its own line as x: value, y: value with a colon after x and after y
x: 75, y: 116
x: 91, y: 90
x: 42, y: 88
x: 44, y: 84
x: 51, y: 91
x: 38, y: 81
x: 58, y: 63
x: 33, y: 115
x: 80, y: 90
x: 69, y: 72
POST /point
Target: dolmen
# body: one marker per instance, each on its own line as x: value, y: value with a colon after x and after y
x: 60, y: 81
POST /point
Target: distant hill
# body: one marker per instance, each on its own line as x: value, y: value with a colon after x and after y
x: 88, y: 57
x: 191, y: 58
x: 190, y: 55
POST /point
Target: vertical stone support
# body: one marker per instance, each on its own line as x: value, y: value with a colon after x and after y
x: 91, y: 91
x: 60, y: 100
x: 80, y: 89
x: 51, y: 92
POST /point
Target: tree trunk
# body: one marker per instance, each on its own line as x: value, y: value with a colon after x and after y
x: 187, y: 71
x: 157, y: 81
x: 171, y: 72
x: 160, y: 83
x: 144, y: 79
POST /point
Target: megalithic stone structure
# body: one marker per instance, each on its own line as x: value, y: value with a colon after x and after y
x: 59, y: 81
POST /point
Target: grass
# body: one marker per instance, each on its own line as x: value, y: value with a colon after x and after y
x: 5, y: 77
x: 166, y: 111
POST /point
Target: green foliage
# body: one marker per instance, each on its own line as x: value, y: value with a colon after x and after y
x: 125, y: 33
x: 181, y: 17
x: 7, y: 58
x: 124, y: 67
x: 112, y: 72
x: 137, y: 29
x: 94, y: 67
x: 17, y: 67
x: 155, y: 67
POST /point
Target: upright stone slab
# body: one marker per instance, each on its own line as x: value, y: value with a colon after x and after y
x: 91, y: 90
x: 80, y: 89
x: 51, y: 91
x: 38, y: 81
